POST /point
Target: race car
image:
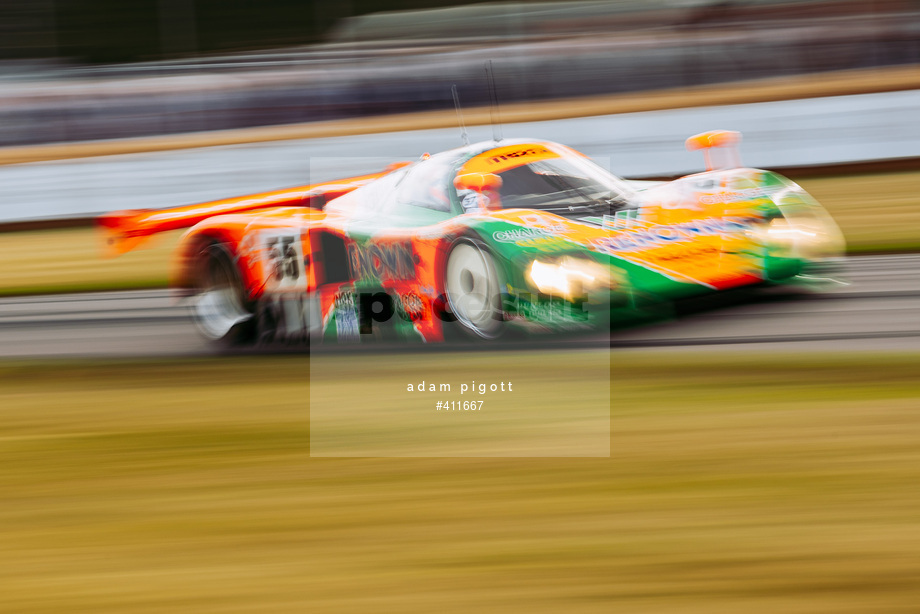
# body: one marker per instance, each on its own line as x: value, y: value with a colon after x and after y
x: 482, y: 240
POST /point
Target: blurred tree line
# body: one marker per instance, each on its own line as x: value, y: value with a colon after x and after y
x: 108, y: 31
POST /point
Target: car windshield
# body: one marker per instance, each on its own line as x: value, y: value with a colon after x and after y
x: 562, y: 185
x: 426, y: 183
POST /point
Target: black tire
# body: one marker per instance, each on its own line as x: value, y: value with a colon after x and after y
x: 220, y: 309
x: 473, y: 289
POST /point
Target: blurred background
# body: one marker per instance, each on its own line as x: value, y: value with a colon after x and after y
x: 101, y: 69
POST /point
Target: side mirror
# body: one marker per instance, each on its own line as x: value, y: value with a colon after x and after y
x: 478, y: 182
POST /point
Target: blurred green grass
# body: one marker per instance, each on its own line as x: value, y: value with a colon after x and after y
x: 375, y: 415
x: 877, y: 213
x: 73, y: 260
x: 735, y: 483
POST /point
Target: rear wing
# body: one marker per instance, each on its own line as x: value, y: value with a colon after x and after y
x: 126, y: 230
x: 720, y: 148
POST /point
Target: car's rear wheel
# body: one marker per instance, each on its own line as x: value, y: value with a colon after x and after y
x: 220, y: 308
x: 473, y: 289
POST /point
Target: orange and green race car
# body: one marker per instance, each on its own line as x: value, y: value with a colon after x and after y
x: 482, y: 240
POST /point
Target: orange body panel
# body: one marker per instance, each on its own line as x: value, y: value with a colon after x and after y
x: 128, y: 229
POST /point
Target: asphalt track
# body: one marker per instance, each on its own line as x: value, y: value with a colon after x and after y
x: 876, y: 308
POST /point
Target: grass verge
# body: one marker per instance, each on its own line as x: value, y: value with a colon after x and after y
x: 878, y: 212
x: 736, y: 483
x: 73, y: 260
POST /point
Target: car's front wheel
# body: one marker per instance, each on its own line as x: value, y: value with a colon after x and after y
x: 473, y: 290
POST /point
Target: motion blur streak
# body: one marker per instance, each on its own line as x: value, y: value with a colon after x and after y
x: 736, y: 483
x: 56, y: 90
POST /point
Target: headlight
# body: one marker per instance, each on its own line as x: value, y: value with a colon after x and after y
x: 806, y: 230
x: 568, y: 277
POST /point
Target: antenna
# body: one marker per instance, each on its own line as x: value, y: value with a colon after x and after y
x: 496, y: 123
x: 463, y: 135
